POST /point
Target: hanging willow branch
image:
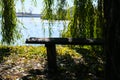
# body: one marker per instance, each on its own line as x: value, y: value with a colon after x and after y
x: 9, y: 21
x: 61, y: 12
x: 51, y: 13
x: 83, y: 22
x: 48, y: 13
x: 78, y: 26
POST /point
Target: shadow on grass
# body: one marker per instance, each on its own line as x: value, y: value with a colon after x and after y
x: 4, y: 52
x: 71, y: 69
x: 94, y: 61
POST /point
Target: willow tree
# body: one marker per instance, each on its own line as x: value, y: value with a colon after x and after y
x: 9, y: 22
x: 100, y: 20
x: 9, y: 29
x: 0, y: 8
x: 87, y: 20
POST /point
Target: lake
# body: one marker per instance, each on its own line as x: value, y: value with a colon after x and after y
x: 36, y: 27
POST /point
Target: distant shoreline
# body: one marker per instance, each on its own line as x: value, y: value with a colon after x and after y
x: 27, y: 15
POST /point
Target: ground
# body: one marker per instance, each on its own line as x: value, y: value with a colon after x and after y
x: 20, y: 68
x: 30, y: 63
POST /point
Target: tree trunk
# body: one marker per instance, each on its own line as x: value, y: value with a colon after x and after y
x: 112, y: 39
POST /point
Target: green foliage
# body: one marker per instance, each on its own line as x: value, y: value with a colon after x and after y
x: 100, y: 20
x: 29, y: 51
x: 87, y: 21
x: 61, y: 12
x: 48, y: 6
x: 38, y: 51
x: 50, y: 12
x: 69, y: 13
x: 9, y: 28
x: 67, y: 51
x: 0, y: 8
x: 83, y: 21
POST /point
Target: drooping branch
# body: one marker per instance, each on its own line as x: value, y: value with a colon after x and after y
x: 9, y: 22
x: 48, y: 11
x: 83, y: 19
x: 61, y: 12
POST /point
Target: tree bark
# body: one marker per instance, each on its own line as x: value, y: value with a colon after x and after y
x: 112, y: 39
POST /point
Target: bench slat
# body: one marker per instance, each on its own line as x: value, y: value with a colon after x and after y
x: 71, y: 41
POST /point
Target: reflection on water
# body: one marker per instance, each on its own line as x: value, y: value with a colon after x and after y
x: 35, y: 27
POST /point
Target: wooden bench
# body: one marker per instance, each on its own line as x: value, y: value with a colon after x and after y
x: 50, y: 44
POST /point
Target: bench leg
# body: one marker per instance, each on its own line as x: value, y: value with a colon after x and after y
x: 51, y: 57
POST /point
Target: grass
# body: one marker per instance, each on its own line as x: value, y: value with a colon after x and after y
x: 30, y: 63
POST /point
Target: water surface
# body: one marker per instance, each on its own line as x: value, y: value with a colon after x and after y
x: 36, y: 27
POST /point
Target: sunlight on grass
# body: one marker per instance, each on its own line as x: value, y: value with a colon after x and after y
x: 66, y: 50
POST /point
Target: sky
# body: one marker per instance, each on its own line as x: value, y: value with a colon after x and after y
x: 29, y: 6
